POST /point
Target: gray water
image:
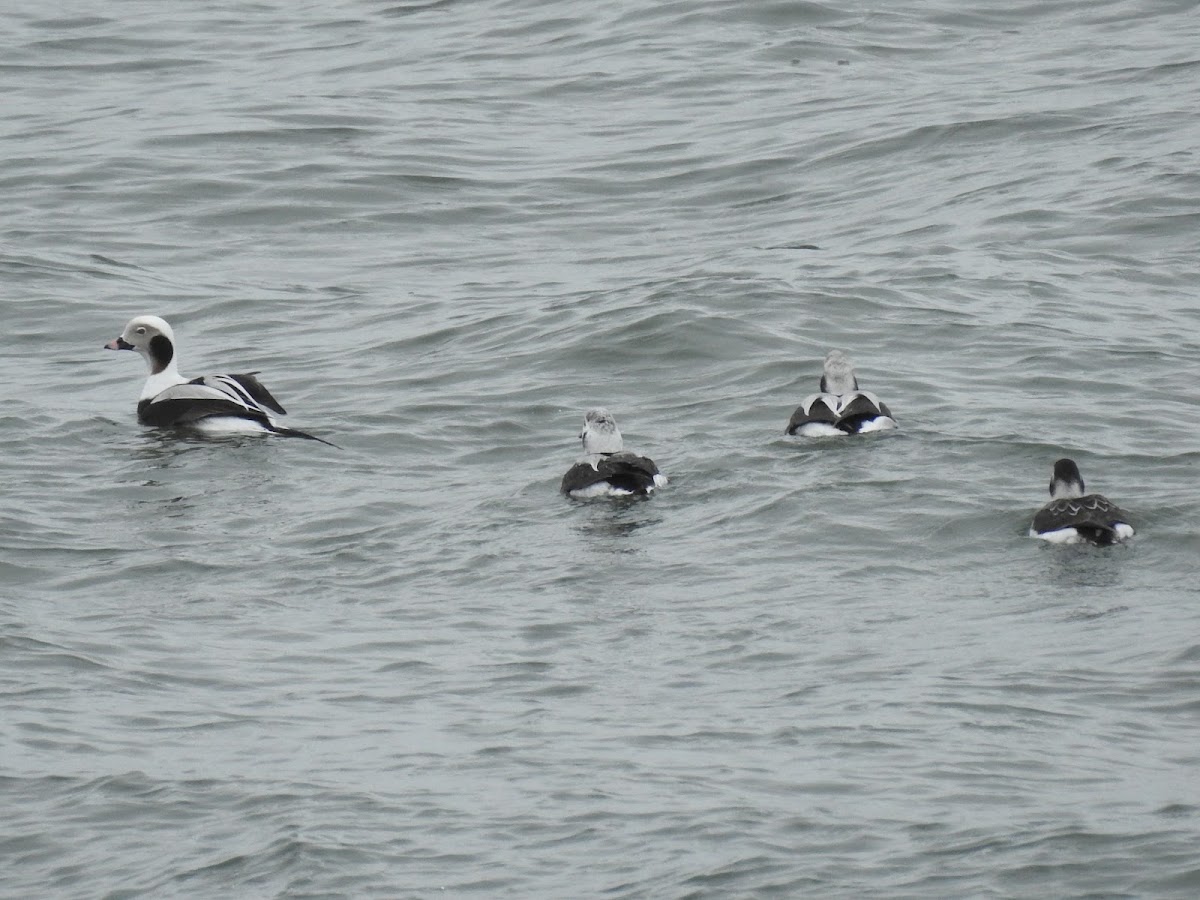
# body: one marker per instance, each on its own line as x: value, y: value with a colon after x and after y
x: 253, y: 667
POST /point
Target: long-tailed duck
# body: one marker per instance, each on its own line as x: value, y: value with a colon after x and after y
x: 841, y: 408
x: 210, y: 403
x: 1072, y: 516
x: 606, y: 469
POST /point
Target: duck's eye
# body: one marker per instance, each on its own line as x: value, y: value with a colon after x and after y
x: 141, y: 331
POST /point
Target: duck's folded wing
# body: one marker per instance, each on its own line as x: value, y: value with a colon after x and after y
x: 580, y: 476
x: 244, y: 387
x: 817, y: 408
x: 184, y: 403
x: 1055, y: 515
x: 862, y: 403
x: 1092, y: 511
x: 861, y: 408
x: 629, y: 471
x: 626, y: 460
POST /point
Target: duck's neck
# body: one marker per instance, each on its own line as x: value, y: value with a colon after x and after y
x: 1062, y: 489
x: 160, y: 381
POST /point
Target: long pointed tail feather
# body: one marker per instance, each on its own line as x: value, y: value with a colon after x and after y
x: 296, y: 432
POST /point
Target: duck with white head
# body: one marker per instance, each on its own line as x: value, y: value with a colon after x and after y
x: 212, y: 404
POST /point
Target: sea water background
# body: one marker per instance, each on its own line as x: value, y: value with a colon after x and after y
x: 268, y: 668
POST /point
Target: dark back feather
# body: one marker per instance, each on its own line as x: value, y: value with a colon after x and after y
x: 817, y: 410
x: 1093, y: 516
x: 624, y: 471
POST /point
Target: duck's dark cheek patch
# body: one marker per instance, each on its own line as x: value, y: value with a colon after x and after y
x: 161, y: 351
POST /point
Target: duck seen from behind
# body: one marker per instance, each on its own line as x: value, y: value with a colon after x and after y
x: 1072, y: 517
x: 606, y: 468
x: 840, y: 408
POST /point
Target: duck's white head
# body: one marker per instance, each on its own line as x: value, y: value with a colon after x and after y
x: 152, y: 338
x: 600, y: 432
x: 1066, y: 483
x: 838, y: 377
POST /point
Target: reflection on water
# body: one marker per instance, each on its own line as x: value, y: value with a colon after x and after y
x: 161, y: 449
x: 179, y: 473
x: 616, y: 519
x: 164, y: 446
x: 1084, y: 565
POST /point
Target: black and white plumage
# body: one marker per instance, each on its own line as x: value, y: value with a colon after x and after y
x: 1072, y: 516
x: 841, y: 408
x: 215, y: 404
x: 607, y: 469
